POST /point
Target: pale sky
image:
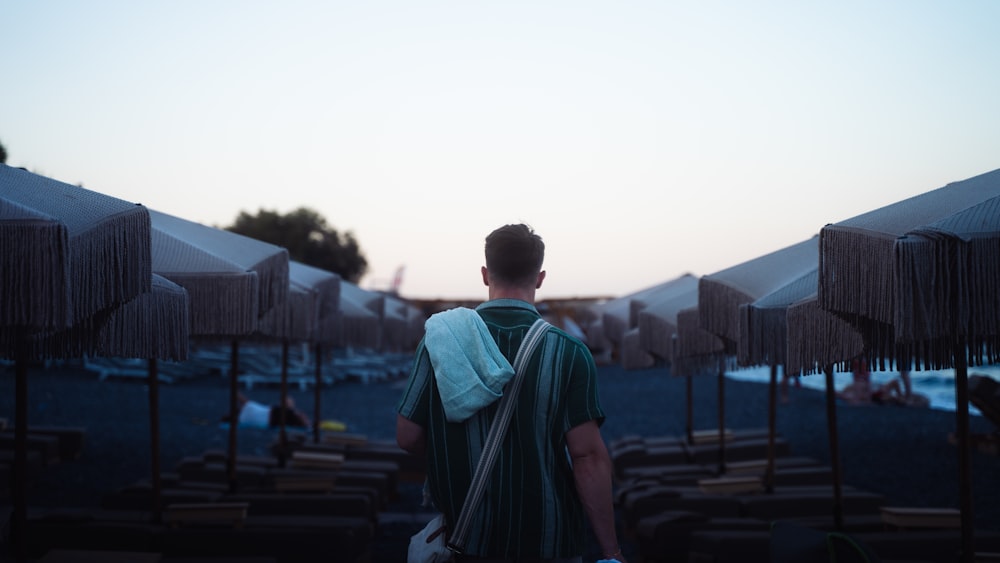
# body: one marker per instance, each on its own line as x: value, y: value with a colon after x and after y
x: 642, y: 140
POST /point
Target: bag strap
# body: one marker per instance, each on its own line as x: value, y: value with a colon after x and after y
x: 456, y: 540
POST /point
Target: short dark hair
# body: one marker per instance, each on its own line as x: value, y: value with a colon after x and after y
x: 514, y: 254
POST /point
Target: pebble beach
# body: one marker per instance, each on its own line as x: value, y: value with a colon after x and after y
x: 901, y: 452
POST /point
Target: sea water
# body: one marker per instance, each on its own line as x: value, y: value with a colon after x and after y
x: 938, y: 386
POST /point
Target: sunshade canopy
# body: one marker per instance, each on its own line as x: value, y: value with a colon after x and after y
x: 621, y: 314
x: 66, y: 252
x: 268, y: 261
x: 360, y: 326
x: 720, y: 294
x: 222, y: 295
x: 786, y: 327
x: 919, y: 270
x: 658, y: 323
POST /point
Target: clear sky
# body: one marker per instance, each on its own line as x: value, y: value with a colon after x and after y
x: 642, y: 139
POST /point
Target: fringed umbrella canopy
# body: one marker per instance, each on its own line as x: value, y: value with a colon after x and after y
x: 395, y: 324
x: 893, y: 267
x: 632, y: 354
x: 720, y: 294
x: 153, y: 325
x: 360, y: 326
x: 268, y: 261
x: 222, y: 295
x: 696, y: 350
x: 818, y: 339
x: 325, y: 287
x: 310, y: 310
x: 415, y: 319
x: 763, y: 328
x: 658, y: 323
x: 66, y: 252
x: 926, y: 267
x: 619, y: 315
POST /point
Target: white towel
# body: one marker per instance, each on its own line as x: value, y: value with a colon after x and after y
x: 468, y: 366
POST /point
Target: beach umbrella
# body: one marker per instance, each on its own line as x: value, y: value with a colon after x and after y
x: 620, y: 315
x: 66, y: 254
x: 360, y: 324
x: 927, y: 267
x: 307, y: 316
x: 766, y: 332
x: 269, y: 288
x: 696, y: 351
x: 324, y: 297
x: 395, y: 324
x: 657, y: 323
x: 721, y: 294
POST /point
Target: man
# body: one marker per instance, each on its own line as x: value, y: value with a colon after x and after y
x: 553, y: 471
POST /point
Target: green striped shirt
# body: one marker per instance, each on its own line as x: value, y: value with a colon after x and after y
x: 530, y: 508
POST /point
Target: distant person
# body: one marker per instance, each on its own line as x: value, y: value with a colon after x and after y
x: 894, y: 392
x: 859, y: 390
x: 785, y: 376
x: 253, y: 414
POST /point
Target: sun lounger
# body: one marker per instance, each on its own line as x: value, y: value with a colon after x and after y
x: 227, y: 512
x: 304, y: 539
x: 89, y: 556
x: 908, y: 518
x: 666, y: 537
x: 46, y: 445
x: 71, y: 439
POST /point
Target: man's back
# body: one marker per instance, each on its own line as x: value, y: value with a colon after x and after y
x: 530, y: 507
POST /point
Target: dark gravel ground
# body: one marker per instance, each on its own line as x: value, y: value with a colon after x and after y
x: 900, y: 452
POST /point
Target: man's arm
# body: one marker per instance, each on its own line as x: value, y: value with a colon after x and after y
x: 411, y: 436
x: 592, y: 473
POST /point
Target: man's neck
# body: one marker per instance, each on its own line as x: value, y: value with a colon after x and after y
x: 512, y: 293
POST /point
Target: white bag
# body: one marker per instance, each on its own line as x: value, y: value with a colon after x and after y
x: 428, y: 545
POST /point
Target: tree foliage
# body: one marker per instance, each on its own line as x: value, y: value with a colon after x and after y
x: 3, y: 154
x: 308, y: 238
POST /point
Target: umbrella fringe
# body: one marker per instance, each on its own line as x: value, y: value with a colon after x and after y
x: 154, y: 325
x: 40, y: 254
x: 717, y: 305
x: 851, y: 279
x: 763, y: 336
x: 220, y: 305
x: 121, y: 245
x: 656, y: 336
x: 695, y: 350
x: 817, y: 338
x: 272, y: 275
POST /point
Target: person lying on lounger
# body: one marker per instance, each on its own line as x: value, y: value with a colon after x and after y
x: 895, y: 392
x: 253, y: 414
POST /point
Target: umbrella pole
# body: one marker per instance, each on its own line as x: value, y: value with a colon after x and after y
x: 772, y: 423
x: 317, y: 392
x: 964, y: 446
x: 154, y: 437
x: 234, y: 413
x: 282, y: 433
x: 831, y: 429
x: 689, y: 392
x: 722, y: 416
x: 19, y: 519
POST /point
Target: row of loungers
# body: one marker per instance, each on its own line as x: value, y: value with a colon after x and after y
x: 677, y: 507
x: 320, y: 503
x: 46, y: 445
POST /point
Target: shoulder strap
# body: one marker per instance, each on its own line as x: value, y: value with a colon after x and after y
x: 456, y: 540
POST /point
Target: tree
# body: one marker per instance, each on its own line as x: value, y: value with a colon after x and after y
x: 308, y: 238
x: 3, y: 154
